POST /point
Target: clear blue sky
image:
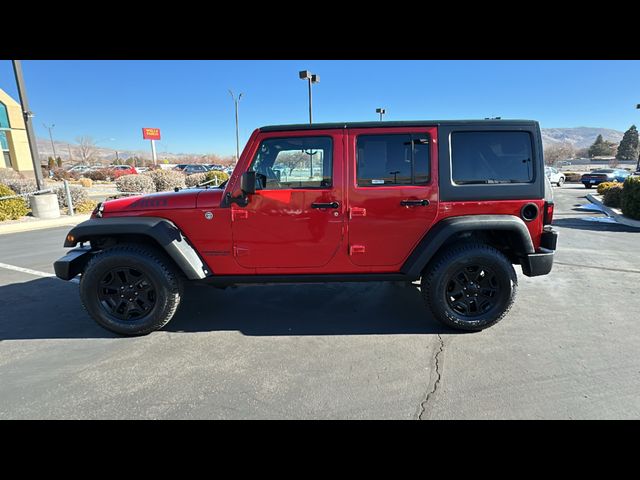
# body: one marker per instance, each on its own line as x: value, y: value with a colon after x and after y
x: 189, y: 101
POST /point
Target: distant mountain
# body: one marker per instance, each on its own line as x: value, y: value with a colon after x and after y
x: 103, y: 155
x: 580, y: 137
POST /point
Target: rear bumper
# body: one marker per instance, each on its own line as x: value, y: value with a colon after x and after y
x: 72, y: 263
x: 541, y: 262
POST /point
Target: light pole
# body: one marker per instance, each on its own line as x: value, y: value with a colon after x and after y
x: 55, y: 158
x: 236, y: 101
x: 381, y: 111
x: 311, y: 78
x: 638, y: 163
x: 31, y: 137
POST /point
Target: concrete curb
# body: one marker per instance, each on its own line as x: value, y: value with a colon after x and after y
x: 618, y: 217
x: 27, y: 226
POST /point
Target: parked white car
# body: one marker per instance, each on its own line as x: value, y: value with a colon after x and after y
x: 554, y: 175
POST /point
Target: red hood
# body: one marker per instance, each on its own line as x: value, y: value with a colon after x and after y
x: 154, y: 201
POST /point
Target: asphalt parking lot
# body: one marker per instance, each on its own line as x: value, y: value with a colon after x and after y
x: 568, y: 349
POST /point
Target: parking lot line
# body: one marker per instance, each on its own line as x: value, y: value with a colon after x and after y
x: 37, y: 273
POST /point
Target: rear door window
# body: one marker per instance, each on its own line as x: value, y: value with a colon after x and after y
x: 393, y: 160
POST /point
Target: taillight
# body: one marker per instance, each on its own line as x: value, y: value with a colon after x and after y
x: 548, y: 213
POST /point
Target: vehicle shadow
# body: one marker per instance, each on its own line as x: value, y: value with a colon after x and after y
x: 579, y: 223
x: 48, y: 308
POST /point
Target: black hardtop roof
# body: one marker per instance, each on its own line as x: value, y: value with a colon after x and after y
x: 405, y: 123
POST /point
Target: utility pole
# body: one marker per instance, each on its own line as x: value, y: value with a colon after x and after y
x: 69, y: 148
x: 24, y: 103
x: 55, y: 157
x: 236, y: 102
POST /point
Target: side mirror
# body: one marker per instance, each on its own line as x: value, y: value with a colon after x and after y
x: 248, y: 182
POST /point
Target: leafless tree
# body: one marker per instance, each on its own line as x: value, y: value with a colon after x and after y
x: 557, y: 152
x: 293, y: 160
x: 86, y: 148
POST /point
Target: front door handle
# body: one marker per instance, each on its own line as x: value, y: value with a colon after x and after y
x: 325, y: 205
x: 414, y: 203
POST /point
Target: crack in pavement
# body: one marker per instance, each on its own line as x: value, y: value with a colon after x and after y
x: 436, y: 358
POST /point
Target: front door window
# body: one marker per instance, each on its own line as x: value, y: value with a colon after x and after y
x: 294, y: 163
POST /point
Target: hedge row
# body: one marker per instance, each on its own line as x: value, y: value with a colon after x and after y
x: 604, y: 186
x: 630, y: 201
x: 13, y: 208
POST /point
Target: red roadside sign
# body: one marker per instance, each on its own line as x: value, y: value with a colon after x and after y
x: 151, y: 133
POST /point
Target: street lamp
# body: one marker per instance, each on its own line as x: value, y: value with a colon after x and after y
x: 236, y: 101
x: 312, y: 78
x: 381, y: 111
x: 55, y: 158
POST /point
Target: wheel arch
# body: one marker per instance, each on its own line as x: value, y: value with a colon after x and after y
x: 507, y: 233
x: 159, y: 232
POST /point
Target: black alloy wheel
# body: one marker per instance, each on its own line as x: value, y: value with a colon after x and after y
x: 472, y: 290
x: 126, y: 293
x: 469, y: 286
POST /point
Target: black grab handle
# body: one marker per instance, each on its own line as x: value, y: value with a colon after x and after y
x: 325, y: 205
x: 414, y: 203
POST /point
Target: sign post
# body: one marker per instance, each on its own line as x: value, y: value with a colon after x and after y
x: 152, y: 134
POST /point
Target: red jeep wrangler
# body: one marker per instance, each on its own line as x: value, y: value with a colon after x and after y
x: 452, y: 203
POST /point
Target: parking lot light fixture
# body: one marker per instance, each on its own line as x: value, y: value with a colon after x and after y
x: 311, y: 78
x: 236, y: 101
x: 381, y: 111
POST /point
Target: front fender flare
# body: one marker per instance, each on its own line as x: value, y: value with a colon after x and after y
x: 163, y: 231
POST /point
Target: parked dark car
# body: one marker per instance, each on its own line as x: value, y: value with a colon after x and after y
x: 190, y: 169
x: 180, y: 166
x: 600, y: 175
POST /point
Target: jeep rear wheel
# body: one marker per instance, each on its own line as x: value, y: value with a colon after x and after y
x: 470, y: 286
x: 130, y: 289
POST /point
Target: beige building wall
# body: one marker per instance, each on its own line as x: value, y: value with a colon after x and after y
x: 17, y: 137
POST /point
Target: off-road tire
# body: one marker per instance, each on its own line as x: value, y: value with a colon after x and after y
x: 560, y: 182
x: 587, y: 185
x: 166, y: 281
x: 443, y: 268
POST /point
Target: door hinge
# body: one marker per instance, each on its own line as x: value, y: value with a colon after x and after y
x: 353, y: 249
x: 240, y: 251
x: 357, y: 212
x: 237, y: 213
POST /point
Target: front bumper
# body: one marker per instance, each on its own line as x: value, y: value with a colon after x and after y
x: 541, y: 262
x: 72, y: 263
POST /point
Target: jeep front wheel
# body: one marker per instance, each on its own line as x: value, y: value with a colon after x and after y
x: 130, y: 289
x: 470, y: 286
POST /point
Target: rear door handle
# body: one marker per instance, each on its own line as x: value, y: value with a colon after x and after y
x: 325, y: 205
x: 414, y: 203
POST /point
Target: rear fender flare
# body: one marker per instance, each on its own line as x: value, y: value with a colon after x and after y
x: 449, y: 227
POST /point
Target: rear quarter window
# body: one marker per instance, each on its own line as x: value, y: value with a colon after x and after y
x: 491, y: 157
